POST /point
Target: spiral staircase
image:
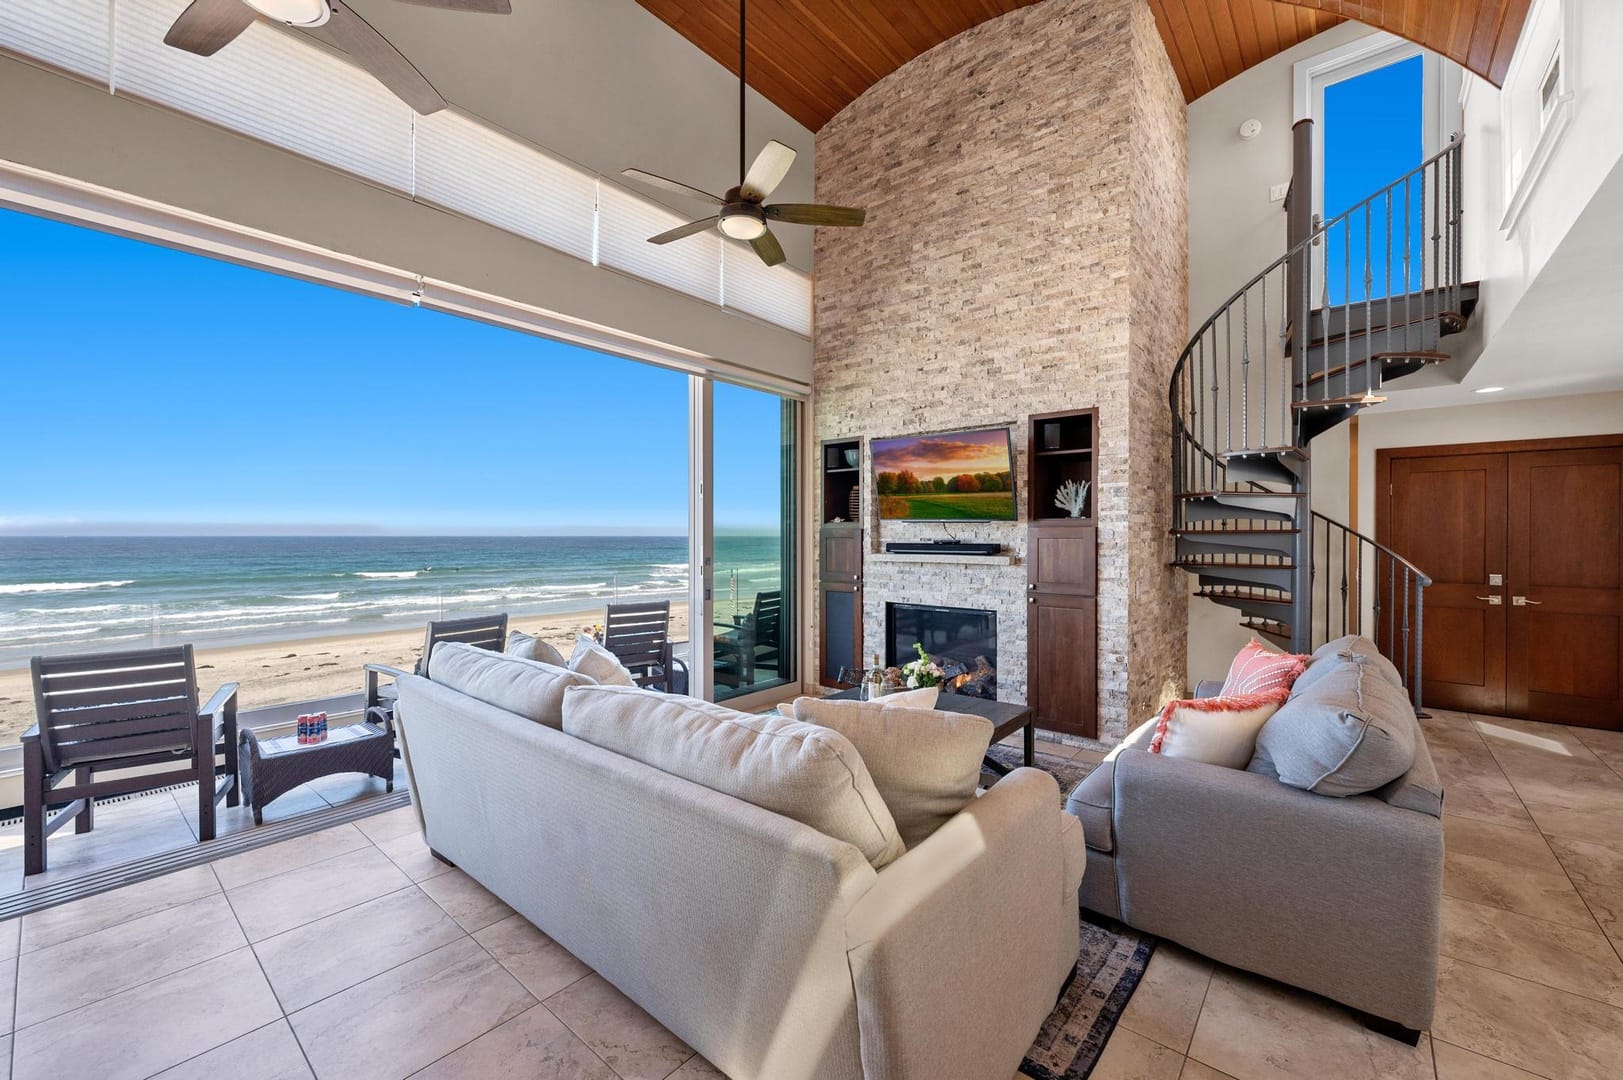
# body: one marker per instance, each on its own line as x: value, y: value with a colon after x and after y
x: 1355, y: 303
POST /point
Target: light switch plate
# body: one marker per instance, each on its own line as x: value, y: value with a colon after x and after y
x: 1278, y: 192
x: 1496, y: 579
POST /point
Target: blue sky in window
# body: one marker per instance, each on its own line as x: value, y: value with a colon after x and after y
x: 151, y: 387
x: 1374, y: 133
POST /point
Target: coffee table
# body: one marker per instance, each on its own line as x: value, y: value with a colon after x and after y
x: 1006, y: 717
x: 273, y: 767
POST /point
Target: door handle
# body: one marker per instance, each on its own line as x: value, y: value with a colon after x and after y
x: 1522, y: 601
x: 1493, y: 601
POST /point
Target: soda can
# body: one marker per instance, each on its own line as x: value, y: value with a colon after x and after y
x: 304, y: 728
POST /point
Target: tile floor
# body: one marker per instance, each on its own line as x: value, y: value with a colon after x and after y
x: 351, y: 953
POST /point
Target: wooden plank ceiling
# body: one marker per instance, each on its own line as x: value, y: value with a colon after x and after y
x: 814, y: 57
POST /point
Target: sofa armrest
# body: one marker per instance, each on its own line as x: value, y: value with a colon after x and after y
x: 1340, y: 896
x: 1208, y: 688
x: 999, y: 862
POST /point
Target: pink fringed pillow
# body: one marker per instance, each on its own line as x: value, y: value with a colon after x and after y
x: 1257, y: 669
x: 1216, y: 730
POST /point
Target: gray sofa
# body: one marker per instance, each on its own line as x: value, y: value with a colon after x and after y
x: 773, y: 949
x: 1336, y: 895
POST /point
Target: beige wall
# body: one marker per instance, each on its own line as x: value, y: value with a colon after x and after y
x: 1024, y: 253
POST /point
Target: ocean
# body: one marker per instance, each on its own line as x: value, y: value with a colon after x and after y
x: 78, y: 594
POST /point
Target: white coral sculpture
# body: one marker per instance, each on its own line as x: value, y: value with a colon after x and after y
x: 1072, y: 497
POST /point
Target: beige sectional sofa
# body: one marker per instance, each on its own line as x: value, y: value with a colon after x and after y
x: 772, y: 948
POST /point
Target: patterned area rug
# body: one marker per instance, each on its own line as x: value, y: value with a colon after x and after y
x: 1112, y: 962
x: 1069, y: 773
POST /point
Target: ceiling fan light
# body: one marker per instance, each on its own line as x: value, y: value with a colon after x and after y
x: 742, y: 226
x: 293, y: 12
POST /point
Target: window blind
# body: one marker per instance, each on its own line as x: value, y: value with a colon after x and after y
x: 270, y: 85
x: 779, y: 294
x: 73, y: 35
x: 626, y: 221
x: 469, y: 167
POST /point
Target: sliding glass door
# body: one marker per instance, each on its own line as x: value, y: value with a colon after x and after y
x: 753, y: 464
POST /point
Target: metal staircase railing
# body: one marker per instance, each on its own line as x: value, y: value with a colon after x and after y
x: 1361, y: 586
x: 1267, y: 354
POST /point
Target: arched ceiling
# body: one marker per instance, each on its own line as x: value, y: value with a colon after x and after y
x: 814, y: 57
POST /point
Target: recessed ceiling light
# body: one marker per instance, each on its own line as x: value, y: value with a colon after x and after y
x: 1489, y: 389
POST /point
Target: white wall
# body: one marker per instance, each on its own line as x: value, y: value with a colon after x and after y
x: 1507, y: 262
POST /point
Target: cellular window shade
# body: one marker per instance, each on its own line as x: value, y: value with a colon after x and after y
x: 271, y: 84
x: 465, y: 166
x: 779, y: 294
x: 626, y: 221
x: 72, y: 35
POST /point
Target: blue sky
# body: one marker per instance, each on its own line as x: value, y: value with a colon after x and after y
x: 1373, y: 134
x: 153, y: 390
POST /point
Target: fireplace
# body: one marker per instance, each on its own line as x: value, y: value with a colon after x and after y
x: 962, y: 640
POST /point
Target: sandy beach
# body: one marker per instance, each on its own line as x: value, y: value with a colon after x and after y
x: 304, y: 669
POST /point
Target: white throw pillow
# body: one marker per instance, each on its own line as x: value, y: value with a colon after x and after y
x: 926, y: 764
x: 922, y: 698
x: 527, y: 687
x: 801, y: 771
x: 527, y: 647
x: 1216, y: 730
x: 590, y: 658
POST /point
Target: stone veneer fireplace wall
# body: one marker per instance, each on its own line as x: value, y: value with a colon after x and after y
x: 1025, y: 252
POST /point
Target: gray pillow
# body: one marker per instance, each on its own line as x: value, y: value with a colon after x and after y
x: 1333, y: 653
x: 1350, y: 732
x: 527, y: 647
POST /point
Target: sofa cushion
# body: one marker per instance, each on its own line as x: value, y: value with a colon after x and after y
x: 1327, y: 657
x: 1218, y: 730
x: 528, y: 647
x: 1351, y: 731
x: 1093, y: 801
x: 529, y: 688
x: 590, y: 658
x: 926, y: 764
x: 1257, y: 669
x: 802, y: 771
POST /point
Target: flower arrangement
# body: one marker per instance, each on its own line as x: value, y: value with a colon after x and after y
x: 922, y: 672
x: 1073, y: 497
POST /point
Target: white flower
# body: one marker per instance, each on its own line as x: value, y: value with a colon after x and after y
x: 912, y: 682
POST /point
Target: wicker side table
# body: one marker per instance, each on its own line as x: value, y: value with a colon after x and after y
x: 271, y: 768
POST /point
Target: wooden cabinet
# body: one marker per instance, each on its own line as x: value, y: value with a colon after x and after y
x: 839, y: 563
x: 1062, y: 647
x: 1062, y: 577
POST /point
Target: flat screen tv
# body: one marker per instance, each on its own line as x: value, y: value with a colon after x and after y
x: 954, y: 476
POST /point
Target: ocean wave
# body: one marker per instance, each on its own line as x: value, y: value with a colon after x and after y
x: 390, y: 574
x: 60, y: 586
x: 309, y: 596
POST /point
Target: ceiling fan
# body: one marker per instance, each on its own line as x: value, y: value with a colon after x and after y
x: 207, y: 26
x: 745, y: 213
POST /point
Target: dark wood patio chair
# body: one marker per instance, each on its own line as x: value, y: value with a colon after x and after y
x: 113, y: 712
x: 480, y: 631
x: 639, y: 635
x: 750, y: 643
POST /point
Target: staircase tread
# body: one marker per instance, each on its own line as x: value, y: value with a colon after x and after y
x: 1197, y: 560
x: 1235, y: 532
x: 1241, y: 494
x: 1425, y: 356
x: 1264, y: 451
x: 1325, y: 403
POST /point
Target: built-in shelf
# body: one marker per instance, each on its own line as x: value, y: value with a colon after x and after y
x: 923, y: 557
x: 837, y: 472
x: 1062, y: 453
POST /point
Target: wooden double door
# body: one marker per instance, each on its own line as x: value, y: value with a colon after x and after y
x: 1524, y: 546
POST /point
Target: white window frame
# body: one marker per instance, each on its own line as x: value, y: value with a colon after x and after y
x: 1550, y: 36
x: 1441, y: 113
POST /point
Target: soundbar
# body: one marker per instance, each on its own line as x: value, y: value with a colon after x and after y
x: 940, y: 547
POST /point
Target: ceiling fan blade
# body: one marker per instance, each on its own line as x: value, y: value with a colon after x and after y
x: 680, y: 231
x: 208, y: 26
x: 476, y: 7
x: 373, y: 52
x: 674, y: 186
x: 767, y: 247
x: 771, y: 165
x: 814, y: 214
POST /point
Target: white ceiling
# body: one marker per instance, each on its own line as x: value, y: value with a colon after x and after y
x: 604, y: 83
x: 1562, y: 336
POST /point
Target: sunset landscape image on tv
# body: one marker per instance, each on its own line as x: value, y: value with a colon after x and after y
x: 958, y: 476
